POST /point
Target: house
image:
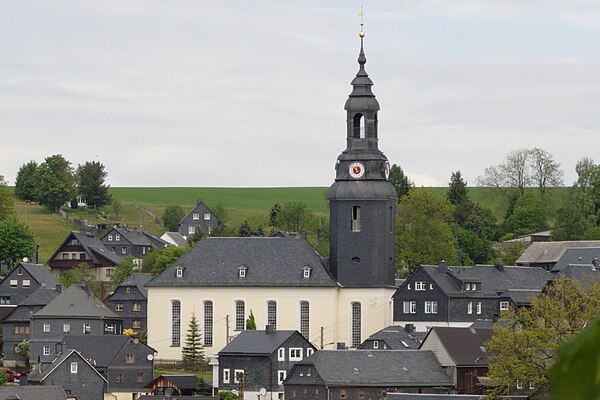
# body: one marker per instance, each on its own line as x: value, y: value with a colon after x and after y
x: 542, y: 236
x: 125, y: 362
x: 34, y: 393
x: 131, y: 242
x: 74, y: 311
x: 442, y: 295
x: 174, y: 239
x: 130, y: 300
x: 21, y: 281
x: 283, y: 280
x: 578, y: 256
x: 394, y: 337
x: 365, y: 374
x: 74, y: 373
x: 84, y: 248
x: 179, y: 385
x: 264, y: 358
x: 462, y: 354
x: 16, y: 325
x: 200, y: 217
x: 547, y: 254
x: 583, y: 273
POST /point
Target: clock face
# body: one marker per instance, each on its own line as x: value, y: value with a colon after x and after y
x: 386, y: 170
x: 356, y: 170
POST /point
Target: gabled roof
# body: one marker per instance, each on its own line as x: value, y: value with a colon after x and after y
x: 251, y: 342
x: 92, y: 246
x: 33, y: 392
x: 551, y: 252
x: 581, y: 273
x: 466, y: 346
x: 520, y: 297
x: 398, y: 338
x: 74, y: 302
x: 41, y: 297
x: 580, y: 256
x: 270, y: 262
x: 182, y: 382
x: 390, y: 368
x: 493, y: 280
x: 99, y: 350
x: 138, y: 280
x: 174, y: 238
x: 200, y: 206
x: 39, y: 376
x: 40, y: 273
x: 139, y: 237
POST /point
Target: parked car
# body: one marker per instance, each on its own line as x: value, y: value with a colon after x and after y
x: 12, y: 375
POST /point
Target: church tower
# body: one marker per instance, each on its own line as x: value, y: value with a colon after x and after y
x: 362, y: 201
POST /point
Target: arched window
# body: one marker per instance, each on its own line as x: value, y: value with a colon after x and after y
x: 175, y: 323
x: 356, y: 324
x: 305, y: 319
x: 272, y: 313
x: 240, y: 315
x: 208, y: 324
x: 359, y: 126
x: 375, y: 123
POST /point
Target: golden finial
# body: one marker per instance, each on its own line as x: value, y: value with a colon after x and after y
x: 360, y: 14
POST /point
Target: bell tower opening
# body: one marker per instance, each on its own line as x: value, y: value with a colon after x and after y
x: 359, y: 126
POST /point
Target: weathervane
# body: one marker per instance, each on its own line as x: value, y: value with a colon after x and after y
x: 360, y: 14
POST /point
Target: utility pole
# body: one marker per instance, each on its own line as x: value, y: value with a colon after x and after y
x: 241, y: 379
x: 321, y: 338
x: 227, y: 329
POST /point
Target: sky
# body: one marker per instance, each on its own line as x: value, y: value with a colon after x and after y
x: 251, y: 93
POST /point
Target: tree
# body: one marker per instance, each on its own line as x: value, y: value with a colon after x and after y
x: 457, y: 189
x: 7, y: 203
x: 3, y: 378
x: 27, y: 181
x: 116, y: 207
x: 90, y: 183
x: 16, y: 241
x: 294, y: 216
x: 221, y: 213
x: 77, y: 275
x: 512, y: 173
x: 171, y: 218
x: 525, y: 341
x: 245, y: 230
x: 251, y: 322
x: 400, y: 181
x: 545, y: 171
x: 56, y: 182
x: 23, y: 349
x: 528, y: 215
x: 509, y: 252
x: 196, y: 236
x: 227, y: 395
x: 123, y: 270
x: 274, y: 213
x: 423, y: 231
x: 158, y: 260
x: 192, y: 352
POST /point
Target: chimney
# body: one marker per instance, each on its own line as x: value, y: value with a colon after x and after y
x: 443, y: 267
x: 499, y: 265
x: 410, y: 328
x: 59, y: 288
x: 86, y: 287
x: 341, y: 346
x: 269, y: 329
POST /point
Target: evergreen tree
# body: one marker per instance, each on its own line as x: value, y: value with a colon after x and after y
x: 457, y: 189
x: 27, y: 181
x: 400, y: 181
x: 192, y: 351
x: 90, y: 183
x: 245, y: 229
x: 251, y: 322
x: 56, y: 182
x: 274, y: 213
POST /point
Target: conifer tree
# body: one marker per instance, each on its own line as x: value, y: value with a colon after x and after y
x: 192, y: 351
x: 251, y: 322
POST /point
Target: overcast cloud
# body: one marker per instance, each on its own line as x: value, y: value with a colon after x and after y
x: 251, y: 93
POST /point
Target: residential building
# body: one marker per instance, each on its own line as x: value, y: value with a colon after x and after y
x: 445, y: 295
x: 131, y: 242
x: 365, y: 374
x: 394, y: 337
x: 16, y: 326
x: 34, y: 393
x: 547, y: 254
x: 589, y: 256
x: 74, y: 311
x: 174, y: 239
x: 282, y: 279
x: 84, y: 248
x: 74, y: 373
x: 462, y: 354
x: 264, y: 358
x: 200, y: 217
x: 130, y: 301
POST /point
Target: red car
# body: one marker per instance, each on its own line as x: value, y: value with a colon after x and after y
x: 12, y: 375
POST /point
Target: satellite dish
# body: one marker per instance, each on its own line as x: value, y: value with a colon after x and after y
x: 262, y: 391
x: 150, y: 357
x: 25, y: 259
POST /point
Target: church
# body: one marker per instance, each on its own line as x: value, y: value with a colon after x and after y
x: 282, y: 280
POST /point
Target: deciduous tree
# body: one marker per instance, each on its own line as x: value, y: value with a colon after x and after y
x: 56, y: 182
x: 16, y: 241
x: 171, y: 218
x: 123, y: 270
x: 7, y: 203
x: 27, y: 181
x: 400, y: 181
x: 294, y: 216
x: 545, y: 171
x: 158, y: 260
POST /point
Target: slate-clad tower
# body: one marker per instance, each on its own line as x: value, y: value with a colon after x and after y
x: 362, y: 201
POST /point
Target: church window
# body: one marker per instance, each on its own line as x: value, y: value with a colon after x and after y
x: 305, y: 319
x: 240, y: 315
x: 375, y: 123
x: 356, y: 324
x: 359, y: 126
x: 355, y: 219
x: 175, y: 323
x: 272, y: 313
x: 208, y: 324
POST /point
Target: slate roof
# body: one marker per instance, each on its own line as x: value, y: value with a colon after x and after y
x: 519, y: 296
x: 466, y: 346
x: 493, y: 280
x: 251, y: 342
x: 92, y: 246
x: 74, y: 302
x: 137, y: 280
x: 139, y: 237
x: 581, y: 273
x: 270, y: 262
x: 32, y: 393
x: 41, y: 297
x: 391, y: 368
x: 99, y: 350
x: 174, y: 238
x: 39, y: 376
x: 574, y: 255
x: 200, y: 206
x: 551, y: 252
x: 41, y: 274
x: 395, y: 336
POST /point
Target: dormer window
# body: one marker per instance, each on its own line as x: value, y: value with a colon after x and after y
x: 242, y: 271
x: 179, y: 272
x: 306, y: 271
x: 470, y: 286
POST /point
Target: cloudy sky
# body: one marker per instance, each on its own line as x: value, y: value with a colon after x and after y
x: 251, y: 93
